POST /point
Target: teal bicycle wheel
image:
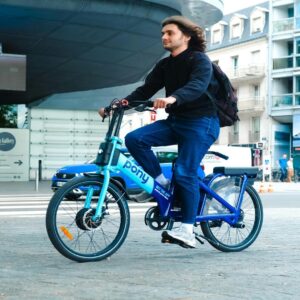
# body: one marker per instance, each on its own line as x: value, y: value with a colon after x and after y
x: 71, y: 227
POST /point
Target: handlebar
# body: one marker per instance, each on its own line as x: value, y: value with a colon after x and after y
x: 124, y: 105
x: 221, y: 155
x: 144, y: 106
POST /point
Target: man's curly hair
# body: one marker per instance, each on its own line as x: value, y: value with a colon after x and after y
x: 189, y: 28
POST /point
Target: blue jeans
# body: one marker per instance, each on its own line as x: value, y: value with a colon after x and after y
x: 194, y: 137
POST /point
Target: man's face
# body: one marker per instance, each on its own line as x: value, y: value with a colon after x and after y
x: 173, y: 38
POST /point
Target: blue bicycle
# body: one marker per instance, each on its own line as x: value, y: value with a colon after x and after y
x: 95, y: 225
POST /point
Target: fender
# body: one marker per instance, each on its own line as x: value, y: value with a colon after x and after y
x: 115, y: 182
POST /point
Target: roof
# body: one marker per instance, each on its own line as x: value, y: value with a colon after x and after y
x: 75, y: 45
x: 246, y: 36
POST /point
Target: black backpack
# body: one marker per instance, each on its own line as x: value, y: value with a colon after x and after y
x: 225, y: 99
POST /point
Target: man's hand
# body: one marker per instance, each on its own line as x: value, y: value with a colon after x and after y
x: 104, y: 112
x: 163, y: 102
x: 101, y: 112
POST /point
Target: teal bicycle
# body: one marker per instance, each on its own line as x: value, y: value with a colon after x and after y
x: 94, y: 225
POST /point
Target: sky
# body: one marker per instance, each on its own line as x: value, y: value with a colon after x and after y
x: 234, y: 5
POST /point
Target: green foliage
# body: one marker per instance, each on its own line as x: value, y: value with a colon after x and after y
x: 8, y: 116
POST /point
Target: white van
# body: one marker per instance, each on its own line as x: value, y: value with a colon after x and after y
x: 238, y: 157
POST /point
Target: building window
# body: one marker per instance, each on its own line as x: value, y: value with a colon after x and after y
x: 235, y: 63
x: 255, y: 125
x: 236, y: 31
x: 256, y: 24
x: 216, y: 36
x: 236, y: 128
x: 256, y: 92
x: 255, y: 133
x: 255, y: 57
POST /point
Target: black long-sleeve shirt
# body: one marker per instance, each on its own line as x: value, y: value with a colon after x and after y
x: 186, y: 77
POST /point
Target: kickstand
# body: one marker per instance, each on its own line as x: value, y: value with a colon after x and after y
x: 199, y: 240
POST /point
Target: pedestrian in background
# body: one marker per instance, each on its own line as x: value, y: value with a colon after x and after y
x: 283, y: 167
x: 290, y: 170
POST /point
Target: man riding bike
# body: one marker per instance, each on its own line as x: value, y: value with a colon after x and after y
x: 192, y: 122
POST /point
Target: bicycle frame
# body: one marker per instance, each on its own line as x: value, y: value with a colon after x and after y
x: 110, y: 159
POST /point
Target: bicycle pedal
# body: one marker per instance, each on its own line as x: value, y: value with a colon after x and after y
x: 215, y: 223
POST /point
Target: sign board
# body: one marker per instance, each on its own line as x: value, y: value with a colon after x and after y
x: 14, y: 154
x: 267, y: 165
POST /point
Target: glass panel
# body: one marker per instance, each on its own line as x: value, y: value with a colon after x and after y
x: 297, y: 22
x: 291, y: 12
x: 297, y: 8
x: 297, y: 79
x: 297, y: 100
x: 290, y: 45
x: 283, y: 25
x: 298, y: 61
x: 255, y: 124
x: 256, y: 91
x: 282, y: 100
x: 298, y: 46
x: 282, y: 63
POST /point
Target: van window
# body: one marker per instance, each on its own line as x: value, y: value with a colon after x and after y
x: 166, y: 157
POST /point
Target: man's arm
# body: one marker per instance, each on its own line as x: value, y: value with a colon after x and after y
x: 153, y: 83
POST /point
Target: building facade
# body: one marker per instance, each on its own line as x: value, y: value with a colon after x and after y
x: 239, y: 45
x: 284, y: 77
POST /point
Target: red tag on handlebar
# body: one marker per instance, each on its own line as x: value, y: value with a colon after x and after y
x: 124, y: 102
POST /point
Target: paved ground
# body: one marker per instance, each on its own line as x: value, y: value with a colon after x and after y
x: 146, y: 269
x: 31, y: 187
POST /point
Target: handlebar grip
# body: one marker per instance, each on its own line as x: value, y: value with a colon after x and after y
x: 149, y: 103
x: 218, y: 154
x: 144, y: 106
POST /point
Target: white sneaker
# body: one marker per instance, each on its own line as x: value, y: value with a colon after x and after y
x: 179, y: 236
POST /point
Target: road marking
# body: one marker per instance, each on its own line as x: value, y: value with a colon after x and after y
x: 26, y: 207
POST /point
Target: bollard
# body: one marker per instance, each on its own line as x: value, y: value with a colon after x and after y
x: 270, y: 189
x: 261, y: 188
x: 40, y: 169
x: 37, y: 180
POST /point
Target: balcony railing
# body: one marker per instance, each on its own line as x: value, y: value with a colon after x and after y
x: 282, y: 2
x: 255, y: 104
x: 283, y: 25
x: 233, y: 138
x: 282, y: 100
x: 254, y: 137
x: 252, y: 71
x: 283, y: 62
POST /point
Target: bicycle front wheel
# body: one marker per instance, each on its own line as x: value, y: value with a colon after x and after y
x: 71, y: 227
x: 227, y: 238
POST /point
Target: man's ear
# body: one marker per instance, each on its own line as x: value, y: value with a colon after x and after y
x: 186, y: 38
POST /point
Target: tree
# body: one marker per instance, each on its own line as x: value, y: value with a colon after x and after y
x: 8, y: 116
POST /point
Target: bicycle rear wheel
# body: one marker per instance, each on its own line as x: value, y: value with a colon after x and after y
x: 73, y: 231
x: 227, y: 238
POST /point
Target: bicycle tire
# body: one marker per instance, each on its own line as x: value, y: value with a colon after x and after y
x: 71, y: 229
x: 217, y: 236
